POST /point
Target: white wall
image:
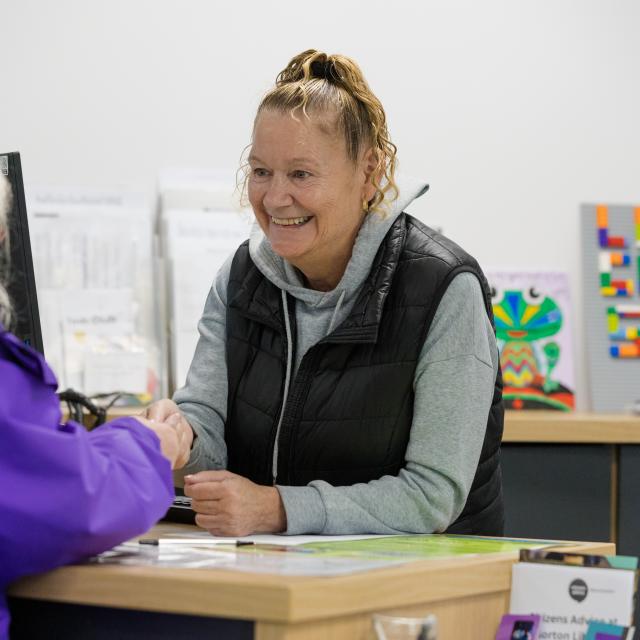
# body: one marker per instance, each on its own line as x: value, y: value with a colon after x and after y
x: 516, y: 112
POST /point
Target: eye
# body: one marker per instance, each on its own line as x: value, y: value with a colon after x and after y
x: 532, y: 296
x: 496, y: 295
x: 300, y: 174
x: 259, y: 173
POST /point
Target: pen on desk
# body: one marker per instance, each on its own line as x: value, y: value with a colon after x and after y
x: 152, y: 541
x: 193, y: 542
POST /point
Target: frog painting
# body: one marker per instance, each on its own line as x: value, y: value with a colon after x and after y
x: 529, y: 326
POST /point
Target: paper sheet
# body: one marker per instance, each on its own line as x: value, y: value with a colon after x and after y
x: 244, y: 559
x: 121, y: 371
x: 197, y: 188
x: 196, y: 243
x: 198, y: 536
x: 92, y: 259
x: 305, y: 555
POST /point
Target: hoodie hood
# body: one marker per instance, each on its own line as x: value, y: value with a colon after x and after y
x: 373, y: 230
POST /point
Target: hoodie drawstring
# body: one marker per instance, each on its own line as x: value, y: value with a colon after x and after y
x: 287, y: 377
x: 335, y: 311
x: 287, y: 380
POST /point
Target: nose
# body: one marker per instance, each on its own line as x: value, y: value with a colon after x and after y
x: 277, y: 193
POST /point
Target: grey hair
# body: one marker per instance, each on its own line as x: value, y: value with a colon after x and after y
x: 5, y: 206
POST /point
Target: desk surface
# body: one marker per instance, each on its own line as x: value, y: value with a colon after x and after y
x: 288, y: 600
x: 560, y: 427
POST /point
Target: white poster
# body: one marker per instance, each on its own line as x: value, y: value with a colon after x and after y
x: 196, y: 245
x: 567, y: 598
x: 93, y: 257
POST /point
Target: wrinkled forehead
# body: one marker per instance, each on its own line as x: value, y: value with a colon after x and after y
x: 312, y: 129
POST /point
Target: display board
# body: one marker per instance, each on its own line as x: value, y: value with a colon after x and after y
x: 611, y: 280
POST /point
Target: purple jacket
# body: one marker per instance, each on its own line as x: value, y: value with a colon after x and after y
x: 66, y: 493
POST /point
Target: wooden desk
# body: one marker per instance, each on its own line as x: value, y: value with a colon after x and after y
x: 468, y: 595
x: 578, y: 428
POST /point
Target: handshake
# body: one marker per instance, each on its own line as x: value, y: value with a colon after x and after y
x: 226, y: 504
x: 165, y: 419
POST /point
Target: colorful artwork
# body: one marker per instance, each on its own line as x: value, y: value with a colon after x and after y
x: 607, y: 260
x: 610, y: 237
x: 627, y: 336
x: 531, y: 312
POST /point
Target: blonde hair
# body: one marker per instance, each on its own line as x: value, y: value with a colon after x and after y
x: 334, y: 84
x: 5, y: 206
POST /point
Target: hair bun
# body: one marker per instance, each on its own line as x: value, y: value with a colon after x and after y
x: 323, y: 69
x: 311, y: 65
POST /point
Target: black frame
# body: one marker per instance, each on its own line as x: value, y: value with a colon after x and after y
x: 22, y: 283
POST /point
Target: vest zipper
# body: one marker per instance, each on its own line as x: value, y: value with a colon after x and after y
x: 295, y: 403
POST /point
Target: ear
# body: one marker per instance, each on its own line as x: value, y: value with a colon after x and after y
x: 368, y: 164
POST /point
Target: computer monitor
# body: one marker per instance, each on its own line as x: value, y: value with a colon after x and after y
x: 22, y: 284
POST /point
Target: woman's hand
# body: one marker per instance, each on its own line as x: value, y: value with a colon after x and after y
x: 169, y: 438
x: 231, y: 505
x: 167, y: 411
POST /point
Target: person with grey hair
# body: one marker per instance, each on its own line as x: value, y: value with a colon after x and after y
x: 5, y: 203
x: 66, y: 493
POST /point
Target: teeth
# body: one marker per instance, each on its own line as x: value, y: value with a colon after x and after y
x: 289, y: 221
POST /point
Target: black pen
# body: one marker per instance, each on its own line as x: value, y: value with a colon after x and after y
x: 192, y: 542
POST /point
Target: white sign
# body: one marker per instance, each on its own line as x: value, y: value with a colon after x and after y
x: 568, y: 598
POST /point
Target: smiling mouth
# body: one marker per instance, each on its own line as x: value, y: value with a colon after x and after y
x: 290, y: 222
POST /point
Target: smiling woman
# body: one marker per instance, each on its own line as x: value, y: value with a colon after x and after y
x: 346, y: 379
x: 319, y: 153
x: 307, y: 194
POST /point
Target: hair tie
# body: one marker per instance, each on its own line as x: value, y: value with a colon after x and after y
x: 323, y: 69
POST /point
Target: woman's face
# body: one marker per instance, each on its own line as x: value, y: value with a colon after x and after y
x: 305, y: 191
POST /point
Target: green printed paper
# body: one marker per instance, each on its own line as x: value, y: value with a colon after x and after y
x: 422, y: 546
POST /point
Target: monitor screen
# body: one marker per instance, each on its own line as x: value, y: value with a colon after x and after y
x: 22, y: 284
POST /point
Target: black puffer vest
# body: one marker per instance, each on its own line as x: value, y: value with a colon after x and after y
x: 349, y: 408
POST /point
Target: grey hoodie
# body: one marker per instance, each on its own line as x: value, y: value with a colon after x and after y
x: 453, y: 387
